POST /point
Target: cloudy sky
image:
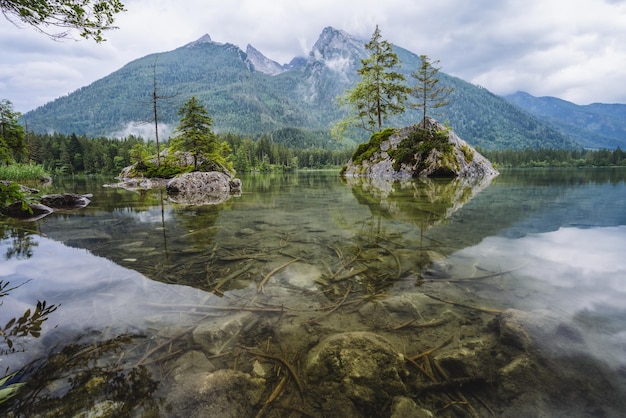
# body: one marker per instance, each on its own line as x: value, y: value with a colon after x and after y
x: 575, y: 50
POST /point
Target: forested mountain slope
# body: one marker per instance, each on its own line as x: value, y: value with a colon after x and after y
x: 596, y: 125
x: 249, y: 94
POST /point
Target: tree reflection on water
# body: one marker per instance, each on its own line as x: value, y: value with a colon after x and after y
x: 21, y: 239
x: 14, y: 337
x: 85, y: 375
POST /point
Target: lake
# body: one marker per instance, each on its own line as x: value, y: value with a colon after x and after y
x: 310, y: 295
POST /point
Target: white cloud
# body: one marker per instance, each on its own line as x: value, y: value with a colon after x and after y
x: 144, y: 130
x: 584, y: 267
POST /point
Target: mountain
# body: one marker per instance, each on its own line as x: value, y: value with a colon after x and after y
x: 247, y: 93
x: 593, y: 126
x: 262, y: 63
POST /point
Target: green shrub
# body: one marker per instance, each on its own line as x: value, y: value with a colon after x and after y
x: 365, y: 151
x: 468, y: 153
x: 11, y: 193
x: 164, y: 171
x: 420, y: 142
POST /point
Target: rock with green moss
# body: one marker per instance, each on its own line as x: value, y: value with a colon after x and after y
x: 424, y: 150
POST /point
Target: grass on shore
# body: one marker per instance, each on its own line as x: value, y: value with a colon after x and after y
x: 23, y: 172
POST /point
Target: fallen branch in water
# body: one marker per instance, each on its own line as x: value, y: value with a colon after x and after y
x: 455, y: 383
x: 273, y: 396
x: 218, y: 307
x: 341, y: 268
x: 433, y: 323
x: 231, y: 276
x: 396, y: 258
x: 486, y: 276
x: 282, y: 361
x: 476, y: 308
x: 273, y: 272
x: 432, y: 350
x: 348, y: 275
x: 334, y: 308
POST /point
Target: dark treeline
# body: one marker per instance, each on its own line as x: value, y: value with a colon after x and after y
x: 72, y: 154
x: 547, y: 157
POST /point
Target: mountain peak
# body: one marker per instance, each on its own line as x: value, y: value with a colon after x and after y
x: 204, y: 39
x: 261, y: 63
x: 334, y: 43
x: 338, y: 51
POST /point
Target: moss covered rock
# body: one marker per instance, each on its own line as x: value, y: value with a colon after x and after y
x: 425, y: 150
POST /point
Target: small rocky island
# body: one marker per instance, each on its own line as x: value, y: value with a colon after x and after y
x: 210, y: 184
x: 427, y: 149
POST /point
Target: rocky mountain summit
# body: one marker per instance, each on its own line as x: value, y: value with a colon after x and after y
x: 263, y: 64
x: 428, y: 149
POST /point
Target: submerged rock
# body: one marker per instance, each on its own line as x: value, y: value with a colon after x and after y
x: 531, y: 330
x: 424, y: 150
x: 361, y: 368
x: 218, y: 335
x: 225, y: 393
x: 403, y: 407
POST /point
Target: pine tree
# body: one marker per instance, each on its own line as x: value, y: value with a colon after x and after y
x: 196, y: 137
x: 427, y: 91
x: 381, y: 91
x: 12, y: 135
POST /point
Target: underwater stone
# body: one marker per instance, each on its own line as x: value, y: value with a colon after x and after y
x: 531, y: 330
x: 360, y: 366
x: 403, y: 407
x: 192, y: 361
x: 225, y: 394
x: 215, y: 336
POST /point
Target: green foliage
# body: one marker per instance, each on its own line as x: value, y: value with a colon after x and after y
x: 266, y: 154
x: 88, y: 155
x: 11, y: 193
x: 420, y: 142
x: 28, y: 324
x: 429, y: 93
x: 194, y: 129
x: 381, y: 91
x: 23, y: 172
x: 277, y: 151
x: 16, y: 329
x: 468, y: 153
x: 90, y: 17
x: 366, y: 150
x: 549, y: 157
x: 164, y: 171
x: 197, y: 138
x: 12, y: 145
x: 8, y: 391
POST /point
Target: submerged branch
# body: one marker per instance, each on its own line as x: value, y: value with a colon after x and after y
x: 285, y: 363
x: 476, y: 308
x: 261, y: 285
x: 432, y: 350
